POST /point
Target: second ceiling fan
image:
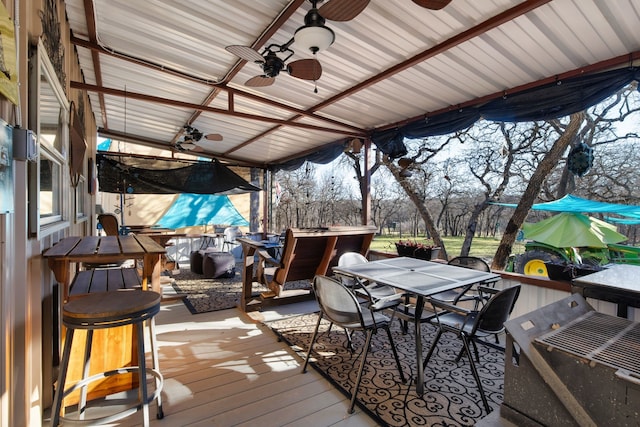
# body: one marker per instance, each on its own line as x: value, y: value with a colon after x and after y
x: 191, y: 139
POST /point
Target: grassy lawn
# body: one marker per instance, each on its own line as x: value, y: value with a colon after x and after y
x: 482, y: 247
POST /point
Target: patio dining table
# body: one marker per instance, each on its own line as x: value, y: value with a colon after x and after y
x: 420, y: 278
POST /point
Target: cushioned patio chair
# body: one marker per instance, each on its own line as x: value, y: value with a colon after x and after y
x: 472, y: 326
x: 341, y: 307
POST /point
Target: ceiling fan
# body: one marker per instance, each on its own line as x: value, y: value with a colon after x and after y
x: 272, y: 64
x: 191, y: 138
x: 346, y: 10
x: 313, y: 36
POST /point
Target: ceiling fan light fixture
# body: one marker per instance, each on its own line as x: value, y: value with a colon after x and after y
x: 314, y: 36
x: 314, y: 39
x: 188, y: 145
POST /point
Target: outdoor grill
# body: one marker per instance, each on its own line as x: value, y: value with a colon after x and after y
x: 572, y: 366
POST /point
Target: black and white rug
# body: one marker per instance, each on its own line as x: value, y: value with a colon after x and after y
x: 205, y: 295
x: 451, y: 395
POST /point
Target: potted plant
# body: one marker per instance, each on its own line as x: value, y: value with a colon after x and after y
x: 415, y: 249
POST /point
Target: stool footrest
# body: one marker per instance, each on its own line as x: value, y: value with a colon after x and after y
x: 132, y: 409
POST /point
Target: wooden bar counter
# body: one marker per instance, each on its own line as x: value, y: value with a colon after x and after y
x: 115, y: 347
x: 106, y: 249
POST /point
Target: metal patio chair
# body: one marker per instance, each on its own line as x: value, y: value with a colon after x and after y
x: 341, y: 307
x: 472, y: 326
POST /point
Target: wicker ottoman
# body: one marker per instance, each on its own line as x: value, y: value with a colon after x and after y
x: 218, y: 265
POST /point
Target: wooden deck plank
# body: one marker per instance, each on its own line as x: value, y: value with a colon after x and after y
x: 244, y: 407
x: 311, y: 404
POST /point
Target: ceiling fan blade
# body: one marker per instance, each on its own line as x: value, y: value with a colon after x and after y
x: 245, y: 52
x: 342, y: 10
x: 260, y: 81
x: 197, y: 149
x: 306, y: 69
x: 432, y: 4
x: 213, y: 137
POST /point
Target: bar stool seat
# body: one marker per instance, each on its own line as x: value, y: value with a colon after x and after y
x: 104, y: 310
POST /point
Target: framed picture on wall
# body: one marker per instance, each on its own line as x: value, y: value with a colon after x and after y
x: 6, y: 168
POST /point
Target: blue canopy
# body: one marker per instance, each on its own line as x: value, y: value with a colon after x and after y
x: 571, y: 203
x: 623, y: 221
x: 201, y: 209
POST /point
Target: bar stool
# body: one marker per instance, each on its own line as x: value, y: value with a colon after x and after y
x: 104, y: 310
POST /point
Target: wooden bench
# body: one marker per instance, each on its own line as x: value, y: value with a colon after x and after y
x: 305, y: 254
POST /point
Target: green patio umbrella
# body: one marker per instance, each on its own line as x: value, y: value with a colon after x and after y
x: 575, y: 230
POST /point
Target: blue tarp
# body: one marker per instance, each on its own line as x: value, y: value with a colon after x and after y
x: 623, y: 221
x: 201, y: 209
x: 571, y: 203
x: 104, y: 145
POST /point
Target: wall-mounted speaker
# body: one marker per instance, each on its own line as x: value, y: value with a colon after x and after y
x: 25, y: 146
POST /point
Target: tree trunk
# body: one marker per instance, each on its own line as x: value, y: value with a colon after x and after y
x: 533, y: 188
x: 471, y: 228
x: 422, y: 210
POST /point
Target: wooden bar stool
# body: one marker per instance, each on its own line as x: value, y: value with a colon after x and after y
x: 104, y: 310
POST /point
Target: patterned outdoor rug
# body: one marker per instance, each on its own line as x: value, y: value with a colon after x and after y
x: 205, y: 295
x: 451, y: 396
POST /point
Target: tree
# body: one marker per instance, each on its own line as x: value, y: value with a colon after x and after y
x: 528, y: 197
x: 497, y: 150
x: 416, y: 186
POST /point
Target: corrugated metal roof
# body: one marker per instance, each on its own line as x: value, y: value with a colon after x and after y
x: 160, y: 62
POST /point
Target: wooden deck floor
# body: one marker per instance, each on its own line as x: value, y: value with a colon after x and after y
x: 225, y: 369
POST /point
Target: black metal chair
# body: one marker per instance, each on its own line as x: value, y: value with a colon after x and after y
x: 455, y: 296
x: 341, y: 307
x: 472, y: 326
x: 379, y: 296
